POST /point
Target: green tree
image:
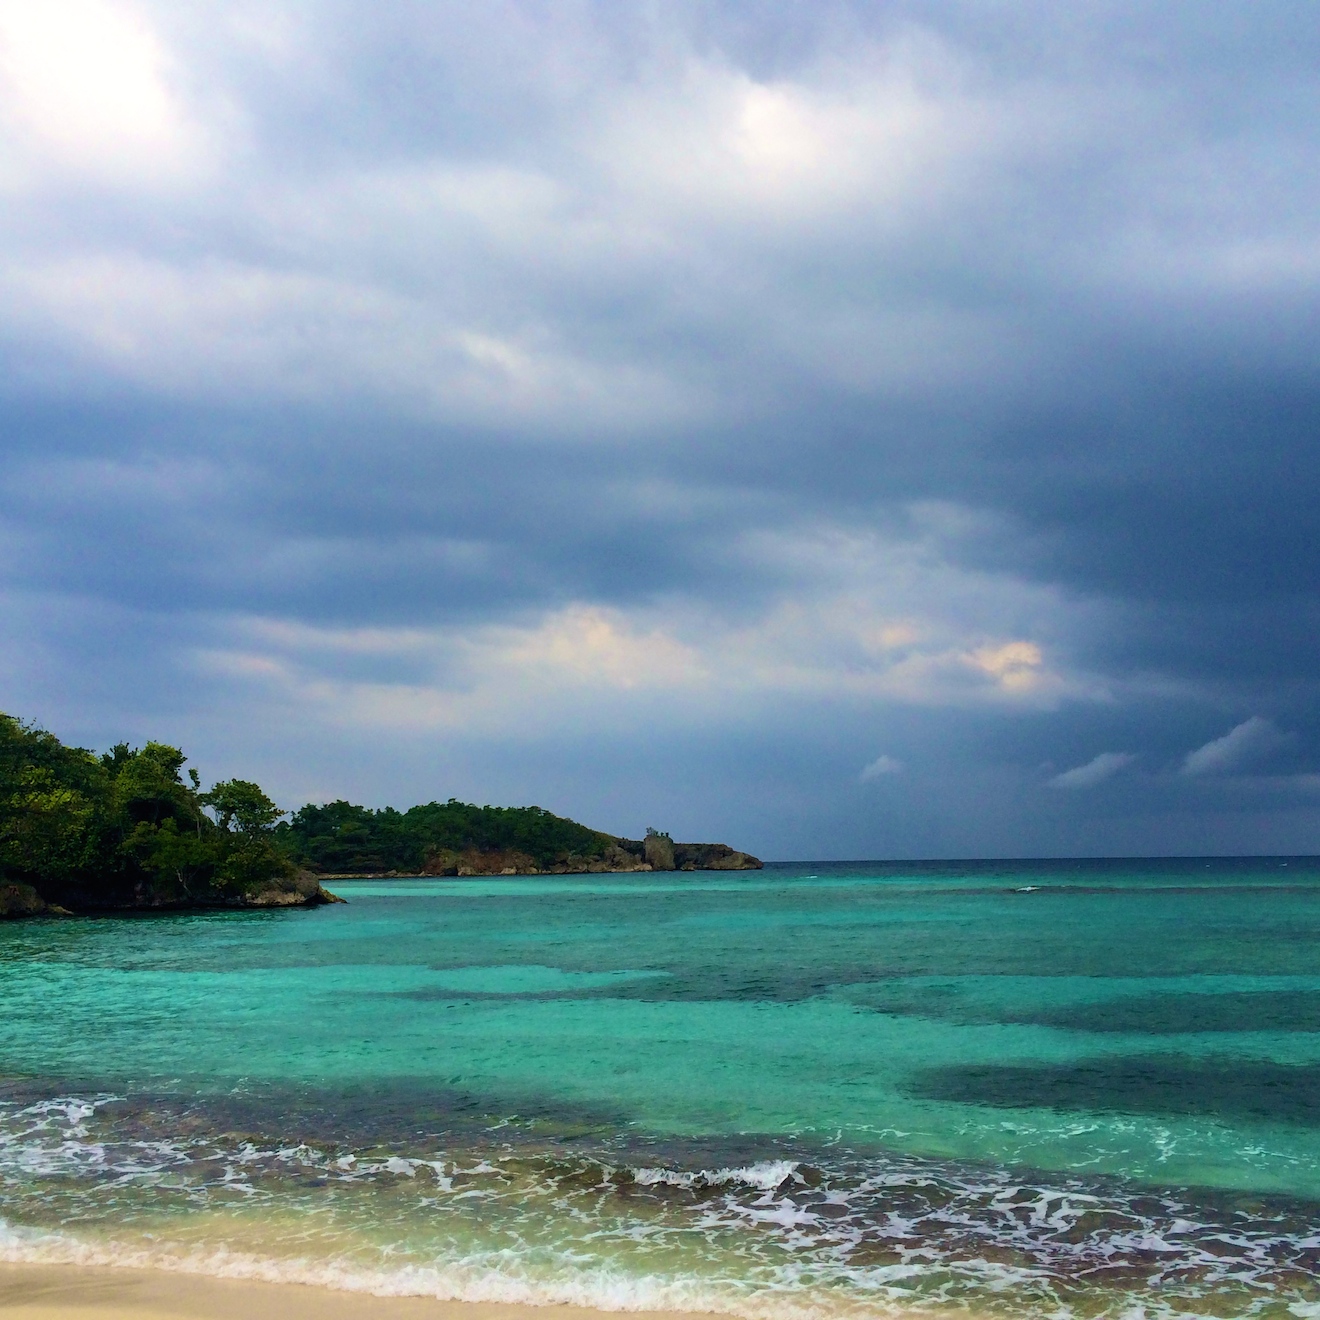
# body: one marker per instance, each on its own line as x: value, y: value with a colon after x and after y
x: 123, y: 828
x: 51, y: 825
x: 46, y: 827
x: 240, y: 804
x: 179, y: 863
x: 249, y: 856
x: 147, y: 786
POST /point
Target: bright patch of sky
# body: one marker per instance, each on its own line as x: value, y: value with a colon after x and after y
x: 652, y: 414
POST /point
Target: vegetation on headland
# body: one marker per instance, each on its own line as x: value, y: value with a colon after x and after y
x: 341, y: 838
x: 457, y: 838
x: 85, y: 832
x: 124, y: 829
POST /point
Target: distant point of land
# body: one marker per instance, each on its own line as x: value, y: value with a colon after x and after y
x: 123, y: 830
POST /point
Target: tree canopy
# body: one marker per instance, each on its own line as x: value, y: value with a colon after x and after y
x: 124, y: 828
x: 344, y: 837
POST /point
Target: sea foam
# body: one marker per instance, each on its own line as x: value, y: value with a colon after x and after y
x: 778, y: 1238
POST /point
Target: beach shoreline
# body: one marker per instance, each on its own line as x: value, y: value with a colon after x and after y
x: 102, y: 1292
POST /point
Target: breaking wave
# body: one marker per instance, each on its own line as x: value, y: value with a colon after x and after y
x: 797, y: 1235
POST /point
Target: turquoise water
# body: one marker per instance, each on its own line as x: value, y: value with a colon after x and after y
x: 1051, y: 1089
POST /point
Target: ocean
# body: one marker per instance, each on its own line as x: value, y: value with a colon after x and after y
x: 1045, y: 1089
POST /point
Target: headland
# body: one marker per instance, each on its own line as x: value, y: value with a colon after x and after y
x: 125, y: 831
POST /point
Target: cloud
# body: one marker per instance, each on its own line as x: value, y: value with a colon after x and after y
x: 1095, y: 771
x: 882, y: 765
x: 84, y: 87
x: 1249, y: 741
x: 862, y: 620
x: 831, y: 376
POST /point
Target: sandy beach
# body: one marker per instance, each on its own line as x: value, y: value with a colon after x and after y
x: 76, y: 1292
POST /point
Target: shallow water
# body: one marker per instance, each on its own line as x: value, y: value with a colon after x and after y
x: 1069, y: 1088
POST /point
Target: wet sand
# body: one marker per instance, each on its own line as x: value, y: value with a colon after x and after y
x: 76, y: 1292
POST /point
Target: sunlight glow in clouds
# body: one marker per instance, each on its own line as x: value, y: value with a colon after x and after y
x: 440, y: 288
x: 600, y: 662
x: 794, y: 381
x: 861, y: 132
x: 83, y: 82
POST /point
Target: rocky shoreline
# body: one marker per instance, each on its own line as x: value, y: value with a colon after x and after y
x: 305, y: 889
x: 301, y: 890
x: 124, y: 831
x: 656, y: 852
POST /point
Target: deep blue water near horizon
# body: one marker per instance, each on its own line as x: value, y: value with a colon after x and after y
x: 1050, y: 1088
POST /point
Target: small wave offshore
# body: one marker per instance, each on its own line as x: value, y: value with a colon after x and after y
x: 626, y: 1225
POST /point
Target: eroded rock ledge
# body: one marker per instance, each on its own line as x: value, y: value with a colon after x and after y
x: 655, y: 853
x: 23, y: 901
x: 301, y: 890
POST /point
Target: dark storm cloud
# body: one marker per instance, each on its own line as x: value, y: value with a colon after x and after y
x: 933, y: 385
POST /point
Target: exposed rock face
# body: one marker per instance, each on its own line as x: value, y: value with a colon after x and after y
x: 301, y: 890
x: 659, y: 851
x: 612, y: 860
x: 473, y: 861
x: 21, y: 901
x: 505, y: 861
x: 654, y: 853
x: 713, y: 857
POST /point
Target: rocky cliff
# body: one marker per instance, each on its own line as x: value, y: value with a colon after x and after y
x: 125, y: 831
x: 24, y: 901
x: 301, y: 890
x: 654, y: 853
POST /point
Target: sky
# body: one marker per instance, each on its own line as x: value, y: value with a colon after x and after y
x: 840, y: 430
